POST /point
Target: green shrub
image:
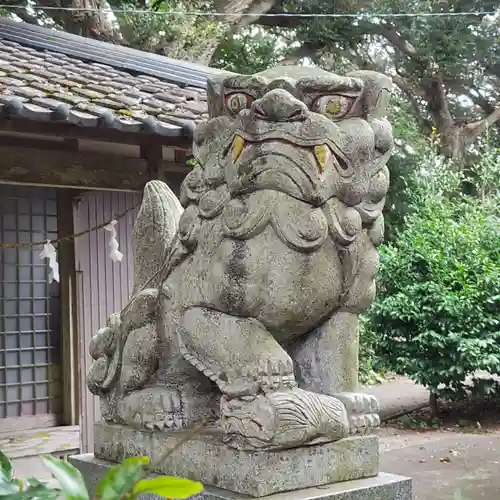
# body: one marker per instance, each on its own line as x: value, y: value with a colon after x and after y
x: 437, y: 315
x: 123, y: 481
x: 370, y: 368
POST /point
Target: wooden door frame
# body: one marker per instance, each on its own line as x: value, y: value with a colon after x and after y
x: 27, y: 423
x: 69, y: 329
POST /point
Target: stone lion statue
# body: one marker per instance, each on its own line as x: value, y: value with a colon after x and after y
x: 248, y: 291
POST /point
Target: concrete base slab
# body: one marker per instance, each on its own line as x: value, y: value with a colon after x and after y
x: 207, y: 459
x: 381, y: 487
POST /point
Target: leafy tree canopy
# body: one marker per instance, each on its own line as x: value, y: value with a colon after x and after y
x: 445, y: 62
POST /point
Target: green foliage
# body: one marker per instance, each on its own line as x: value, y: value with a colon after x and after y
x: 193, y: 162
x: 23, y: 489
x: 250, y: 51
x: 370, y: 369
x: 485, y: 171
x: 169, y: 487
x: 411, y: 149
x: 437, y: 313
x: 123, y: 481
x: 5, y: 469
x: 70, y: 479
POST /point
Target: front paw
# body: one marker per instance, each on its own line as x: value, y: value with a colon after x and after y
x: 152, y: 408
x: 362, y: 410
x: 282, y: 419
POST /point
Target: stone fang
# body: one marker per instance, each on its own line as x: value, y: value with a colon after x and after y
x: 322, y: 154
x: 238, y: 146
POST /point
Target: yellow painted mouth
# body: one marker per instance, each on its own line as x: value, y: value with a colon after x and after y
x: 322, y: 152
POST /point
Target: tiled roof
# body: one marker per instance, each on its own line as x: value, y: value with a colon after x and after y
x: 45, y: 85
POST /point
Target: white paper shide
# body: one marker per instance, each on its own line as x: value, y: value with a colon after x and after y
x: 114, y: 254
x: 49, y: 252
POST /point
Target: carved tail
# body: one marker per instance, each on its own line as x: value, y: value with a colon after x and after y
x: 154, y: 230
x: 152, y: 237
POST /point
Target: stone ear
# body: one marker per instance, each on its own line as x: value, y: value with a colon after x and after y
x: 215, y: 86
x: 382, y: 103
x: 376, y: 93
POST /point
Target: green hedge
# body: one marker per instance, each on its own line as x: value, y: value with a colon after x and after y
x: 437, y: 315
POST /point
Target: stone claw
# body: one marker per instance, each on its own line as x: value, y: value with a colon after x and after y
x: 361, y: 424
x: 153, y: 408
x: 362, y: 410
x: 359, y: 403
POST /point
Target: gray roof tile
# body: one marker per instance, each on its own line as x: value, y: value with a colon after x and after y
x: 45, y: 85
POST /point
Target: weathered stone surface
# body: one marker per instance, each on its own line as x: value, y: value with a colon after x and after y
x: 254, y: 301
x: 246, y: 300
x: 207, y: 459
x: 380, y: 487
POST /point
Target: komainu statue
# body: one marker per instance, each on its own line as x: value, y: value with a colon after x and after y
x: 248, y: 291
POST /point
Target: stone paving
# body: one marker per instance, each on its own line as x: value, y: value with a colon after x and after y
x: 443, y: 464
x: 398, y: 396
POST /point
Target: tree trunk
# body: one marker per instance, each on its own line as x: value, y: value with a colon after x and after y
x: 453, y: 140
x: 433, y: 403
x: 454, y: 144
x: 90, y: 23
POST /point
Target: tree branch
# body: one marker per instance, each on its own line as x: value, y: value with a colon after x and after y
x: 394, y: 38
x: 412, y: 92
x: 91, y: 23
x: 424, y: 124
x: 435, y: 95
x: 252, y: 10
x: 279, y: 21
x: 476, y: 129
x: 26, y: 17
x: 407, y: 87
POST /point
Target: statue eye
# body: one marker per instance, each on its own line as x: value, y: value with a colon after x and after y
x: 334, y: 106
x: 237, y: 101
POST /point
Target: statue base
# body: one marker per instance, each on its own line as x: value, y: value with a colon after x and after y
x: 205, y: 458
x: 383, y: 486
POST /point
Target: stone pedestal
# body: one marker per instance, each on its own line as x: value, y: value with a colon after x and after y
x: 339, y: 470
x: 381, y: 487
x: 205, y: 458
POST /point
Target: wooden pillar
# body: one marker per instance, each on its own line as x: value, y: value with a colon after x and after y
x: 152, y: 152
x: 69, y: 331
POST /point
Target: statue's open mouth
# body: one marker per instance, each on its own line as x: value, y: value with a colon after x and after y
x: 322, y: 152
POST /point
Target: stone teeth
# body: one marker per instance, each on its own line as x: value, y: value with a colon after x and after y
x: 322, y: 154
x: 238, y: 146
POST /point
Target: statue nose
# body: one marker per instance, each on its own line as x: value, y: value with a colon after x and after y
x: 279, y: 105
